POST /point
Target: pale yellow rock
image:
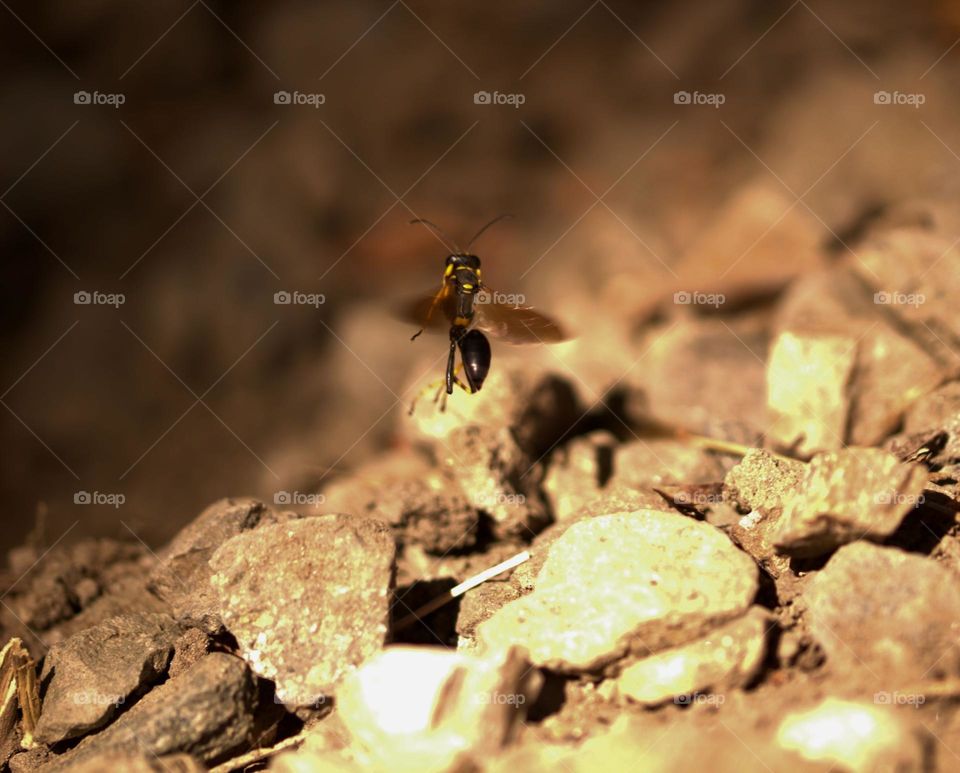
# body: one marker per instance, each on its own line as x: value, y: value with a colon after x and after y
x: 430, y: 708
x: 609, y: 583
x: 854, y: 736
x: 846, y: 495
x: 727, y: 657
x: 807, y: 390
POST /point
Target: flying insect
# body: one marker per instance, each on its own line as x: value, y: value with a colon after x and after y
x: 471, y: 310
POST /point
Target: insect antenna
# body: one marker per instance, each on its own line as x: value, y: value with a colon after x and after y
x: 497, y: 219
x: 439, y: 232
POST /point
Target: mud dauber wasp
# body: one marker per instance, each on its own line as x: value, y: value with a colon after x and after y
x: 456, y: 304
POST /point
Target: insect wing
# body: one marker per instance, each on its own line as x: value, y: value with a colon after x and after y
x: 432, y: 311
x: 516, y: 324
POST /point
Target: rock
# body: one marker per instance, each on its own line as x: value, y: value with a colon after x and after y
x: 31, y: 760
x: 632, y: 581
x: 324, y: 748
x: 807, y: 390
x: 44, y: 595
x: 889, y: 615
x: 740, y: 253
x: 131, y: 762
x: 760, y: 484
x: 578, y: 471
x: 126, y: 596
x: 490, y: 443
x: 429, y: 708
x: 481, y: 603
x: 183, y: 576
x: 938, y: 411
x: 190, y: 647
x: 499, y: 478
x: 891, y: 368
x: 90, y: 675
x: 638, y: 742
x: 853, y: 736
x: 933, y: 409
x: 728, y: 657
x: 915, y: 281
x: 207, y: 712
x: 306, y: 600
x: 763, y: 482
x: 856, y: 493
x: 703, y: 376
x: 656, y: 462
x: 536, y: 407
x: 422, y: 504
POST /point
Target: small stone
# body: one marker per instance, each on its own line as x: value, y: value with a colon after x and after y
x: 807, y: 390
x: 306, y: 600
x: 183, y: 576
x: 891, y: 368
x: 207, y: 712
x: 501, y: 479
x: 852, y: 736
x: 93, y: 673
x: 642, y: 581
x: 422, y: 708
x: 647, y: 463
x: 534, y: 406
x: 762, y: 482
x: 422, y: 504
x: 125, y: 596
x: 190, y: 647
x: 728, y: 657
x: 481, y: 603
x: 856, y: 493
x: 888, y: 614
x: 578, y: 471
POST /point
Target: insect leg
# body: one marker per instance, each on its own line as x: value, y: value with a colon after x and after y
x: 433, y: 305
x: 450, y: 360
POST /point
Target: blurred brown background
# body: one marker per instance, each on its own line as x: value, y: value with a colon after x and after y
x: 199, y: 385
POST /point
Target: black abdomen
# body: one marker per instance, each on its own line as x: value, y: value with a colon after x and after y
x: 475, y: 355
